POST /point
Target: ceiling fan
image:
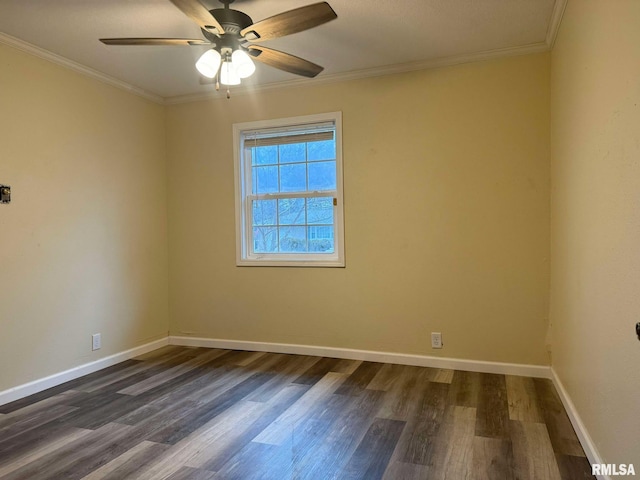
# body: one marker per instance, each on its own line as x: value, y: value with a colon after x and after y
x: 231, y: 34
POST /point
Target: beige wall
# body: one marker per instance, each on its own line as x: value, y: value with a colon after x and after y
x: 595, y: 299
x: 447, y: 217
x: 83, y: 244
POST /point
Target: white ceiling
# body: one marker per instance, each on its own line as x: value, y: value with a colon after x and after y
x: 368, y: 37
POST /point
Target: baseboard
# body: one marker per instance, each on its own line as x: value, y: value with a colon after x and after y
x: 583, y: 435
x: 538, y: 371
x: 41, y: 384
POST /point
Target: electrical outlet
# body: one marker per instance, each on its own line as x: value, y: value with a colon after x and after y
x: 436, y: 340
x: 96, y: 341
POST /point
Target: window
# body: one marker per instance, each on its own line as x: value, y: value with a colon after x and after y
x: 289, y: 191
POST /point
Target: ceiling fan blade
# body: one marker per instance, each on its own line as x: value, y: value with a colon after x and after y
x: 285, y: 61
x: 290, y: 22
x: 153, y: 41
x: 199, y: 14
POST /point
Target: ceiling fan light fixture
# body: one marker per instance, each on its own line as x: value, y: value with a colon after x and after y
x: 209, y: 63
x: 230, y: 34
x: 243, y: 64
x: 228, y: 74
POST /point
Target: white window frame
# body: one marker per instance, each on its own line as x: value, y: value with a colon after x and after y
x: 244, y: 250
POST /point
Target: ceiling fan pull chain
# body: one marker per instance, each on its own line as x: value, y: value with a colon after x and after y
x: 228, y: 94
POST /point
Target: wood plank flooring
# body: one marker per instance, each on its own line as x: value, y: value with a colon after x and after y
x: 207, y: 414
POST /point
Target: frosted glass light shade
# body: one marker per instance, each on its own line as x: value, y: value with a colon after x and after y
x: 228, y: 74
x: 243, y: 63
x: 208, y: 63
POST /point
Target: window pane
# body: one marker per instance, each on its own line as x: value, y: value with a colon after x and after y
x: 265, y: 239
x: 325, y: 150
x: 265, y: 179
x: 320, y: 210
x: 293, y: 239
x: 286, y: 187
x: 322, y: 176
x: 291, y: 211
x: 321, y: 239
x: 294, y: 152
x: 264, y: 155
x: 264, y: 212
x: 293, y: 178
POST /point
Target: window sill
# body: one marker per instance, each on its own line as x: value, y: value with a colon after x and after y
x: 291, y: 263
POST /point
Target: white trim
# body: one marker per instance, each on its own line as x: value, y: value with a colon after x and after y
x: 554, y: 23
x: 552, y: 32
x: 242, y: 177
x: 365, y: 73
x: 536, y: 371
x: 41, y: 384
x: 76, y: 67
x: 583, y: 435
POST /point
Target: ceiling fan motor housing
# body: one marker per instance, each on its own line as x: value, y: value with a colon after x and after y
x: 229, y: 31
x: 233, y: 21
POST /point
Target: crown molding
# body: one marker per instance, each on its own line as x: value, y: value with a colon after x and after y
x: 366, y: 73
x: 552, y: 32
x: 76, y: 67
x: 554, y: 24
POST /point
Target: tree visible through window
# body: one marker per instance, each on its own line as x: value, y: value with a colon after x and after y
x: 290, y: 191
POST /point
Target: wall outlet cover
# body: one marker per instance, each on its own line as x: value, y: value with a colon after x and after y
x: 96, y: 341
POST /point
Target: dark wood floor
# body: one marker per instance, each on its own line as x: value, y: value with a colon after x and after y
x: 193, y: 413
